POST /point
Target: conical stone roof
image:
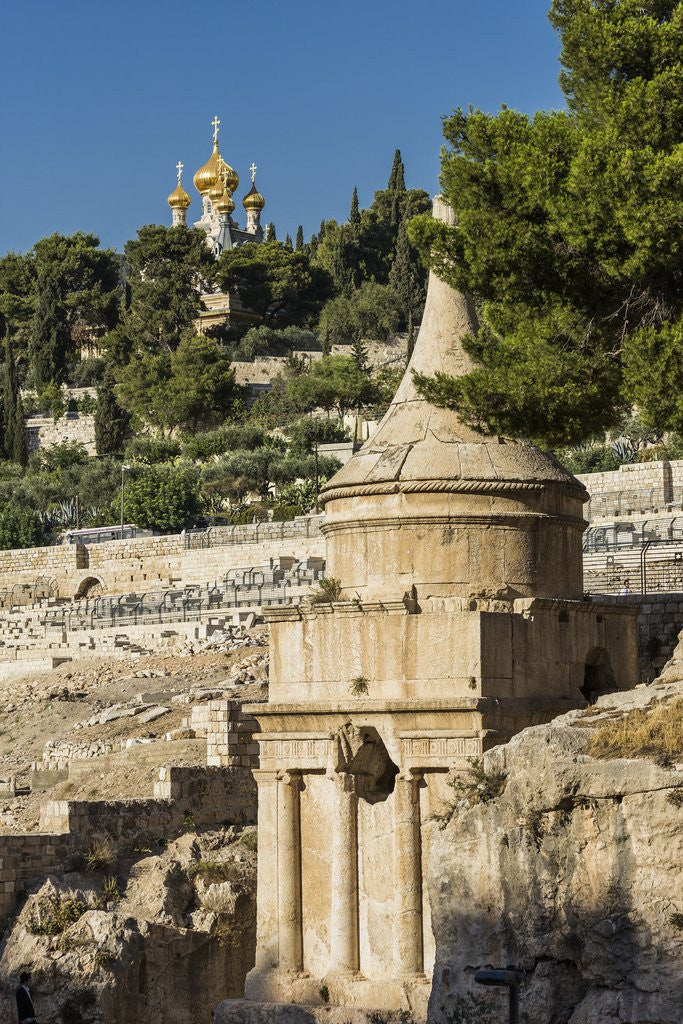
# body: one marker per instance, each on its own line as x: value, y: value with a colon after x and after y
x: 429, y: 499
x: 418, y: 444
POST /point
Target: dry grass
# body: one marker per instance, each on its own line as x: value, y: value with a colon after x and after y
x: 655, y: 732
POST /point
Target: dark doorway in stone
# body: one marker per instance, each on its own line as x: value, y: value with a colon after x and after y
x: 91, y: 586
x: 598, y: 678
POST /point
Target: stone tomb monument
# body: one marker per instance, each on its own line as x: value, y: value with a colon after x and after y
x: 461, y: 620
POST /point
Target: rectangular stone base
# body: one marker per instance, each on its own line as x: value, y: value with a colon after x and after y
x: 246, y: 1011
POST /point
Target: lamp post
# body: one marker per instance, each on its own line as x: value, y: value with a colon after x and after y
x: 504, y: 977
x: 124, y: 469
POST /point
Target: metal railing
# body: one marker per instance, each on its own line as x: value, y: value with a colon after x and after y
x: 216, y: 536
x: 28, y: 593
x: 651, y: 567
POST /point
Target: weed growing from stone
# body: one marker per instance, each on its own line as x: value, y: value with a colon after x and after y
x: 467, y: 1009
x: 533, y: 828
x: 324, y: 993
x: 100, y: 856
x: 61, y: 913
x: 329, y: 590
x: 477, y: 785
x: 675, y: 798
x: 358, y: 686
x: 110, y: 890
x: 249, y: 839
x: 677, y: 921
x: 214, y: 870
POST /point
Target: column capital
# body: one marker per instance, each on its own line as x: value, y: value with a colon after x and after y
x: 291, y: 777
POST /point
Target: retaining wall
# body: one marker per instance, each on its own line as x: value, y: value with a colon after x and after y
x: 149, y: 563
x: 72, y: 428
x: 185, y: 798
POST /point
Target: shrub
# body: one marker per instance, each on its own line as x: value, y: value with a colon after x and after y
x: 88, y: 372
x: 479, y: 786
x: 358, y: 686
x: 329, y: 590
x: 214, y: 871
x: 110, y: 890
x: 162, y: 498
x: 151, y: 450
x: 100, y: 856
x: 655, y: 733
x: 59, y: 914
x: 20, y: 527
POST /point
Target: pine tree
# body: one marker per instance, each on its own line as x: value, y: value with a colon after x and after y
x: 49, y: 337
x: 270, y: 233
x: 288, y: 242
x: 299, y: 244
x: 354, y: 215
x: 111, y: 421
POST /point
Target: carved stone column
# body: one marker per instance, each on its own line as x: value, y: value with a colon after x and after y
x: 266, y: 893
x: 408, y: 951
x: 344, y: 905
x: 289, y: 871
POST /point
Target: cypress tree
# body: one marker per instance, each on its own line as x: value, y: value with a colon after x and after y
x: 19, y: 447
x: 10, y: 394
x: 270, y: 233
x: 288, y: 242
x: 342, y: 272
x: 397, y: 181
x: 49, y: 344
x: 354, y: 215
x: 360, y: 354
x: 299, y: 244
x: 111, y: 421
x: 407, y: 278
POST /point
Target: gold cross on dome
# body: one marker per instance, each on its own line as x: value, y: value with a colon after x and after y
x: 215, y: 124
x: 253, y: 170
x: 179, y: 168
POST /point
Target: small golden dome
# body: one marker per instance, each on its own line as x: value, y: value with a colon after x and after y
x: 207, y: 176
x: 179, y: 199
x: 225, y: 204
x: 216, y: 191
x: 253, y: 199
x: 228, y: 175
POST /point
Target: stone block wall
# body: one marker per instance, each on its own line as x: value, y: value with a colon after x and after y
x: 209, y: 796
x: 660, y: 620
x: 150, y: 563
x: 229, y: 734
x: 72, y: 428
x: 640, y: 487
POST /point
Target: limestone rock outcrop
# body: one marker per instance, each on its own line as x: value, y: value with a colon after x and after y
x: 572, y: 873
x: 160, y: 939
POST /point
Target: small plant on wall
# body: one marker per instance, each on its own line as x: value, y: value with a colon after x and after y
x: 358, y: 686
x: 328, y: 591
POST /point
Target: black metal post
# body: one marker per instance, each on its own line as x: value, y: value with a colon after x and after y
x: 504, y: 977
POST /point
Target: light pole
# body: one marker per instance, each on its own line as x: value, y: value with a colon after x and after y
x: 124, y: 469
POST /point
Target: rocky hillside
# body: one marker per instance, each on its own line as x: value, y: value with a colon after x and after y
x: 564, y: 856
x: 156, y: 936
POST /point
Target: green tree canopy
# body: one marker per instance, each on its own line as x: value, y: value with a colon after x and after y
x: 333, y: 382
x: 193, y: 387
x: 274, y: 281
x: 162, y: 498
x: 568, y: 233
x: 168, y: 269
x: 112, y: 423
x: 20, y: 527
x: 371, y: 312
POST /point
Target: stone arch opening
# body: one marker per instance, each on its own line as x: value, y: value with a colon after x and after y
x: 366, y: 758
x: 91, y: 586
x: 598, y: 678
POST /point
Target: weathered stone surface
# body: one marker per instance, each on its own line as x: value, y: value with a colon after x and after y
x: 156, y: 954
x: 573, y: 874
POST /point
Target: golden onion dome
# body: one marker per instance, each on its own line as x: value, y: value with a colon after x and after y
x: 253, y: 199
x: 225, y: 204
x: 216, y: 191
x: 179, y: 199
x: 228, y: 175
x: 207, y: 176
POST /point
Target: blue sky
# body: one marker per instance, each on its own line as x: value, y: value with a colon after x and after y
x: 100, y: 101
